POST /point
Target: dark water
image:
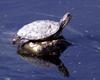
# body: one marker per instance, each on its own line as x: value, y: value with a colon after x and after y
x: 82, y: 59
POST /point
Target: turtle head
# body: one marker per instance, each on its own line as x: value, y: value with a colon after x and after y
x: 19, y: 40
x: 65, y: 19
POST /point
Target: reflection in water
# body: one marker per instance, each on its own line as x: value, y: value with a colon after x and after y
x: 45, y: 53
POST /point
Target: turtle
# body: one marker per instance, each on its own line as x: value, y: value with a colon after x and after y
x: 41, y: 30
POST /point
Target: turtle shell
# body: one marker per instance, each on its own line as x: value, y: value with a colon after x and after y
x: 39, y: 29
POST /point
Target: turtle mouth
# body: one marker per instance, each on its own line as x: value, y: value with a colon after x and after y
x: 69, y: 17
